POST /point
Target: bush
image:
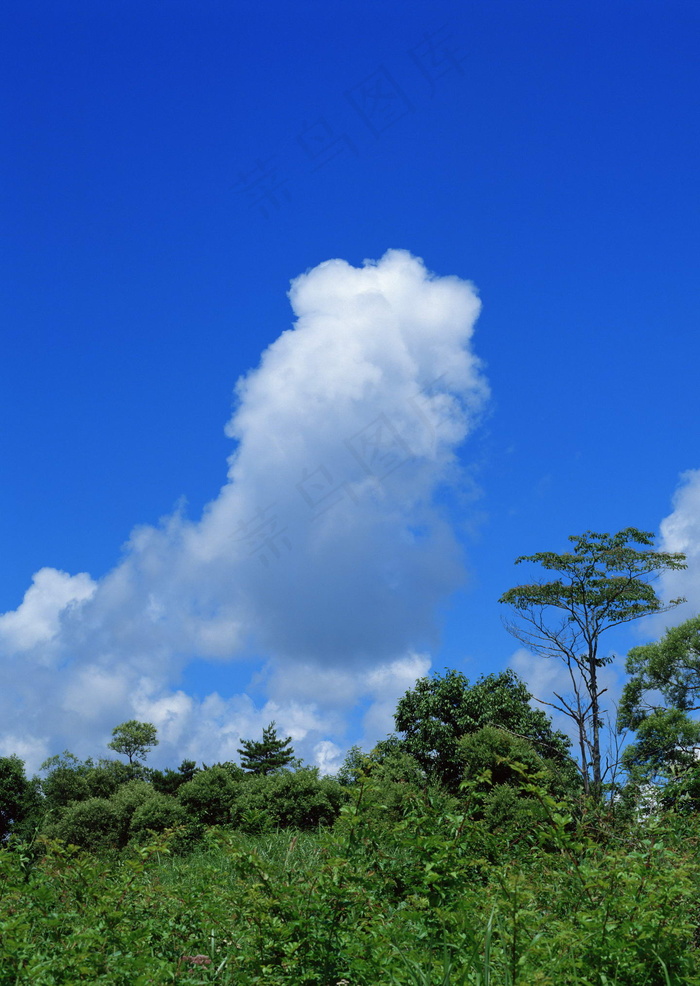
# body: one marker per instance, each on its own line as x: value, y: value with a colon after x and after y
x: 131, y: 795
x: 95, y: 824
x: 298, y: 800
x: 507, y: 759
x: 169, y: 781
x: 208, y: 797
x: 158, y: 813
x: 438, y: 712
x: 408, y: 903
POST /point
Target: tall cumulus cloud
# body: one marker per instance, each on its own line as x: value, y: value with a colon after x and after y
x: 324, y: 553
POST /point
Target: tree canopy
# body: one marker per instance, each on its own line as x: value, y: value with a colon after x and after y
x: 437, y: 712
x: 134, y: 739
x: 18, y: 796
x: 663, y: 689
x: 671, y: 667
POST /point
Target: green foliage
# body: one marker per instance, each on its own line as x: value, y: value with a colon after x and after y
x: 19, y: 798
x: 603, y: 574
x: 413, y: 903
x: 505, y: 877
x: 96, y: 824
x: 507, y: 758
x: 670, y: 666
x: 107, y: 776
x: 65, y: 761
x: 101, y: 824
x: 354, y: 766
x: 131, y: 796
x: 208, y: 797
x: 604, y: 582
x: 134, y: 739
x: 388, y: 762
x: 514, y: 821
x: 663, y: 689
x: 70, y: 781
x: 493, y: 751
x: 169, y: 781
x: 234, y: 770
x: 437, y: 712
x: 300, y: 800
x: 664, y: 746
x: 154, y: 816
x: 267, y: 755
x: 66, y: 780
x: 387, y: 777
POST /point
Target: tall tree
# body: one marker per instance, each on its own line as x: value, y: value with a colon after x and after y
x: 605, y: 581
x: 439, y: 711
x: 134, y: 739
x: 267, y: 755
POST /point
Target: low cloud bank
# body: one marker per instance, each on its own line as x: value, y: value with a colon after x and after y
x: 323, y: 554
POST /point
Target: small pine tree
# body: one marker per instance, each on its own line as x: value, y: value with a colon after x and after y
x: 267, y: 755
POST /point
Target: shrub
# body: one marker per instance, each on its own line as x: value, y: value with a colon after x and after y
x: 208, y: 797
x: 95, y: 824
x: 131, y: 795
x: 507, y: 759
x: 298, y: 800
x: 169, y: 781
x: 156, y: 814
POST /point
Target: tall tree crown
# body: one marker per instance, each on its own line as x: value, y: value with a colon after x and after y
x: 134, y: 739
x: 603, y: 582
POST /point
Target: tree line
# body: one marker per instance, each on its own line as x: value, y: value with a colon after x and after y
x: 451, y: 735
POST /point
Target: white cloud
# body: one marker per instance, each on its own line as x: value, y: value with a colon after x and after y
x: 37, y: 619
x: 29, y: 749
x: 324, y: 552
x: 386, y: 684
x: 680, y: 531
x: 328, y: 757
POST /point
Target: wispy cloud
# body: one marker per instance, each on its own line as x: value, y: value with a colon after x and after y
x: 324, y: 553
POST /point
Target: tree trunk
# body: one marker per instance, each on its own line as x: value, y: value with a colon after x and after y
x: 597, y: 790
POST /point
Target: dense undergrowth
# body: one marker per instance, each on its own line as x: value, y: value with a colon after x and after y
x: 425, y: 893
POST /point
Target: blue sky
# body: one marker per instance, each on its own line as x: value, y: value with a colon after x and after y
x: 169, y: 169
